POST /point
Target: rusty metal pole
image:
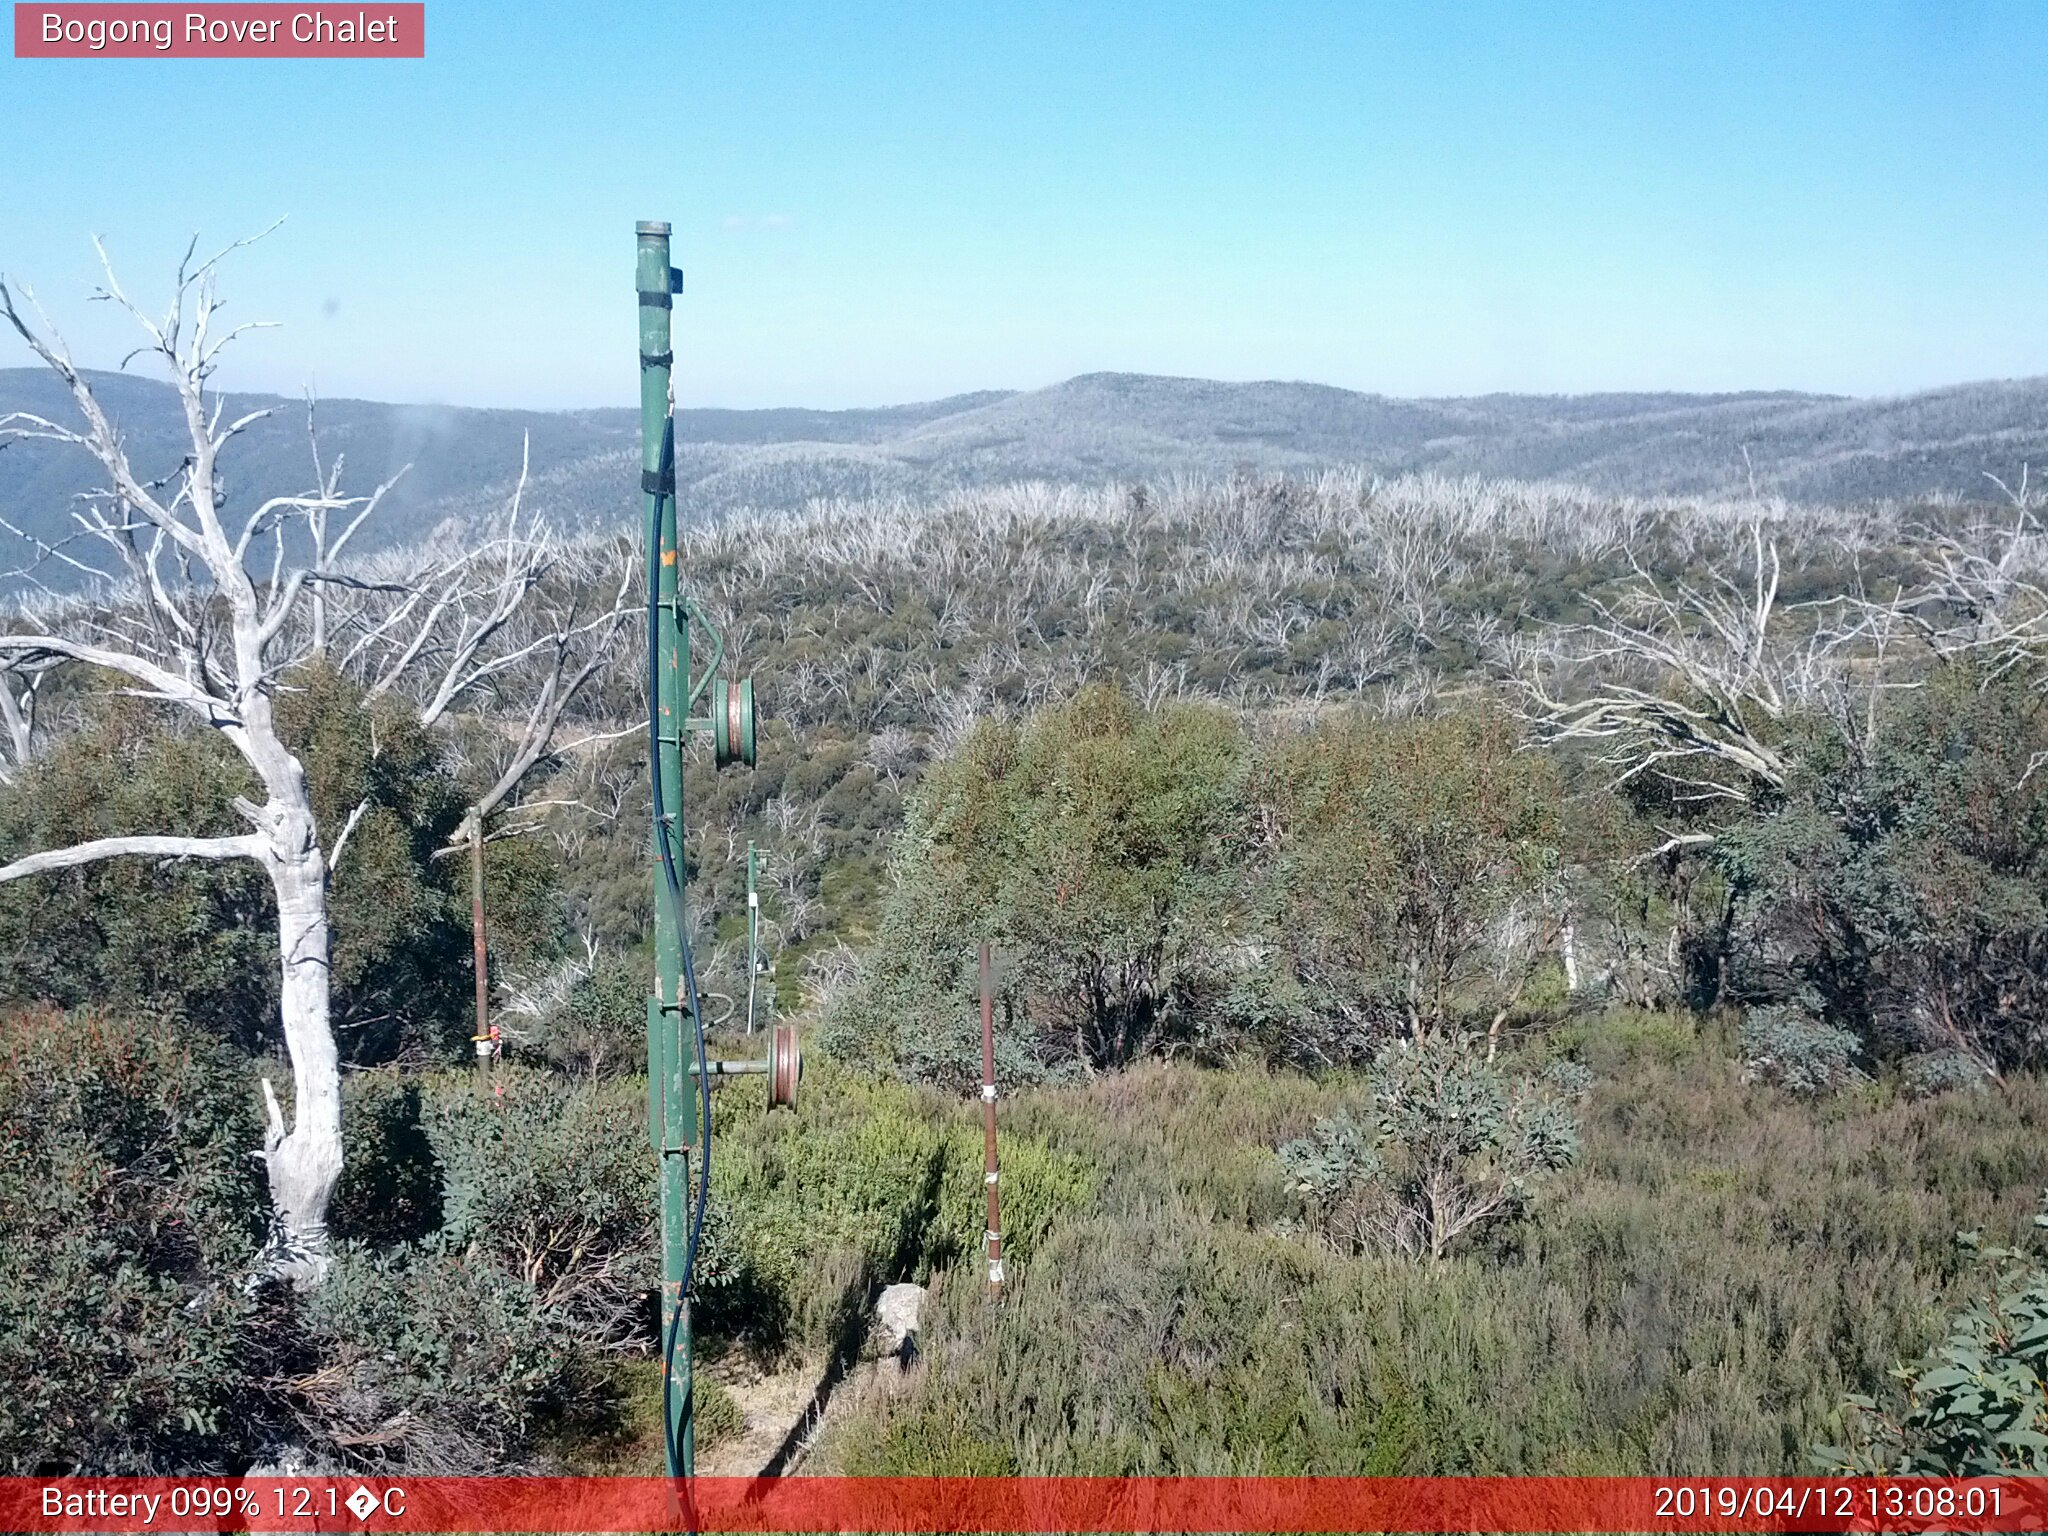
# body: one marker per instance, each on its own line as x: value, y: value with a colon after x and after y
x: 486, y: 1046
x: 988, y: 1124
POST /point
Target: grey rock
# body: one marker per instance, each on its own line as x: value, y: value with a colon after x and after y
x: 897, y: 1316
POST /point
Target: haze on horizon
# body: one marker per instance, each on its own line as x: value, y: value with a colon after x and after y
x: 906, y: 203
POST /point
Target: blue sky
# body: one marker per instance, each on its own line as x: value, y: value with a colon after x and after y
x: 882, y: 202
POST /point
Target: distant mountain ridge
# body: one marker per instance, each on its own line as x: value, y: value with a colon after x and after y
x: 1096, y: 428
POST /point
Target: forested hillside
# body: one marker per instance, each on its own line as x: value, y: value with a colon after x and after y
x: 1100, y: 429
x: 1492, y: 978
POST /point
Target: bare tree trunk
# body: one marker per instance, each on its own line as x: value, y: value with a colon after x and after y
x: 304, y: 1161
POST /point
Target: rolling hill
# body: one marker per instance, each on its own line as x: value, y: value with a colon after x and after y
x: 1096, y: 428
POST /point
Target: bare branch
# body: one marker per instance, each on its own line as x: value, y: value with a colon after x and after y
x: 341, y: 842
x: 247, y: 846
x: 1684, y: 684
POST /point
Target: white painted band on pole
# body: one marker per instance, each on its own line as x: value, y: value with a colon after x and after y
x: 990, y: 1179
x: 988, y: 1093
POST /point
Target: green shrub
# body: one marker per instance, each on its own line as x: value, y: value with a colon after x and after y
x: 1092, y: 845
x: 931, y: 1443
x: 1409, y: 869
x: 1166, y: 1328
x: 600, y: 1029
x: 1629, y: 1035
x: 1571, y: 1079
x: 820, y: 1206
x: 1976, y: 1405
x: 1448, y: 1145
x: 433, y: 1361
x: 1037, y: 1187
x: 869, y: 1182
x: 1903, y: 881
x: 130, y: 1207
x: 198, y: 937
x: 143, y: 938
x: 1154, y: 884
x: 390, y: 1190
x: 1789, y: 1047
x: 400, y: 919
x: 718, y: 1417
x: 551, y: 1183
x: 1617, y: 1040
x: 1937, y: 1072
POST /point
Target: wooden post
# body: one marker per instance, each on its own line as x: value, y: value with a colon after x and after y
x: 988, y: 1124
x: 486, y: 1043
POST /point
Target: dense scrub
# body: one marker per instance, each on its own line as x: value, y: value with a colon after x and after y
x: 1315, y: 935
x: 881, y: 633
x: 129, y: 1208
x: 1698, y: 1294
x: 1160, y: 882
x: 1976, y: 1404
x: 498, y: 1251
x: 1901, y: 888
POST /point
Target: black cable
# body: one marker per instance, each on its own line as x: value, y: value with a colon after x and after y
x: 674, y: 891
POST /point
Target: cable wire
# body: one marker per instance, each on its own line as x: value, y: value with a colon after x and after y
x: 673, y: 889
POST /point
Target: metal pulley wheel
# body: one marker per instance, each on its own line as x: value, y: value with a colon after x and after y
x: 732, y: 721
x: 785, y: 1066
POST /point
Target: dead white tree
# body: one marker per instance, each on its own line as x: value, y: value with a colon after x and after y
x: 1685, y: 683
x: 1982, y: 595
x: 210, y: 618
x: 329, y: 544
x: 508, y: 621
x: 207, y: 643
x: 568, y: 666
x: 21, y: 685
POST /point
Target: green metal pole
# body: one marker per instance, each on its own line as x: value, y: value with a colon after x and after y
x: 672, y: 1104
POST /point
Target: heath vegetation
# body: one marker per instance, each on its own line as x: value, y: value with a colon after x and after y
x: 1492, y: 977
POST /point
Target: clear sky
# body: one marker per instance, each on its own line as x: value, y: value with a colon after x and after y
x: 878, y: 202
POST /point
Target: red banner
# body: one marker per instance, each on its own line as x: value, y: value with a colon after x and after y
x: 235, y: 31
x: 1054, y: 1504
